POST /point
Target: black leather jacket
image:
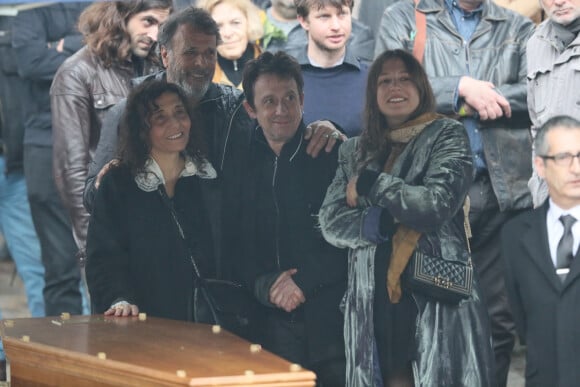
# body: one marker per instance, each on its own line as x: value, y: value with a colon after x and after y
x: 495, y: 53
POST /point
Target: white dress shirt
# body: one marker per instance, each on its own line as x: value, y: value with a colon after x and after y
x: 556, y: 228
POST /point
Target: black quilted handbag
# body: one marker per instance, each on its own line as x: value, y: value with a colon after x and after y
x: 438, y: 278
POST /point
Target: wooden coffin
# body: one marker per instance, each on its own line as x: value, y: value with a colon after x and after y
x: 126, y: 351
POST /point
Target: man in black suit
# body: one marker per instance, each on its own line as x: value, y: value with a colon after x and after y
x: 540, y: 250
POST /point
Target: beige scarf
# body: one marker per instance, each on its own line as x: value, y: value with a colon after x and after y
x: 405, y: 238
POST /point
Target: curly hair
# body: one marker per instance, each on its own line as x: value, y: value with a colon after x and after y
x: 249, y: 9
x: 103, y: 25
x: 373, y: 142
x: 134, y: 143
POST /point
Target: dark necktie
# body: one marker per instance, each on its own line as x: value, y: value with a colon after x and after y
x: 564, y: 251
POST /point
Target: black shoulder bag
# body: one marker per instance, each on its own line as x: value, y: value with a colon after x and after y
x: 441, y: 279
x: 217, y: 301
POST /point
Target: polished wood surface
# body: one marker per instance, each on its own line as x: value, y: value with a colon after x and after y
x: 54, y: 351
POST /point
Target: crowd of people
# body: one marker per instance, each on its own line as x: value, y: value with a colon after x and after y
x: 310, y: 153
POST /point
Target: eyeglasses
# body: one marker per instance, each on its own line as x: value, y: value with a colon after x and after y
x: 562, y: 159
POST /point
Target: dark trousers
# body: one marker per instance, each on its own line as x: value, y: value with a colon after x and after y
x: 58, y: 248
x: 486, y: 222
x: 288, y: 339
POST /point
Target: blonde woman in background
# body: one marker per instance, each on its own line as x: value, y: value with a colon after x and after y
x: 240, y: 29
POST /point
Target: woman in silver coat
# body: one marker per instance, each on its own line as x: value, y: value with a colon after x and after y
x: 400, y: 187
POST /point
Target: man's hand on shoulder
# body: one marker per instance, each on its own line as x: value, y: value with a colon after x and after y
x: 322, y: 135
x: 104, y: 171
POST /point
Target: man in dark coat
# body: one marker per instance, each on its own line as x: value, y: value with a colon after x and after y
x: 540, y: 251
x: 284, y: 260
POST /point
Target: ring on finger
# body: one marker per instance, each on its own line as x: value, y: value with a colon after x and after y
x: 335, y: 135
x: 326, y: 135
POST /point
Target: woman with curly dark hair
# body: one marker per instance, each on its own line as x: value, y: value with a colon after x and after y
x: 138, y: 255
x: 397, y: 195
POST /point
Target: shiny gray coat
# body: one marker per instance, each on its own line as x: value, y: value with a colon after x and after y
x: 425, y: 191
x: 496, y: 53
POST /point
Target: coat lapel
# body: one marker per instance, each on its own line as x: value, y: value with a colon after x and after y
x: 535, y: 241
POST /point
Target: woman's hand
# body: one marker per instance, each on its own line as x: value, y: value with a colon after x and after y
x: 122, y: 309
x: 351, y: 193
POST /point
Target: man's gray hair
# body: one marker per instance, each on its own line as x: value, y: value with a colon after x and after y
x: 197, y: 18
x: 563, y: 121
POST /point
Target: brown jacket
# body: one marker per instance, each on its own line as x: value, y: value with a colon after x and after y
x: 81, y: 93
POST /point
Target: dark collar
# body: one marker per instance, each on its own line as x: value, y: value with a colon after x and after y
x: 290, y: 149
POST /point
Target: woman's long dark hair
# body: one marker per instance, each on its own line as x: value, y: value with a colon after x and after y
x: 373, y: 142
x: 135, y: 145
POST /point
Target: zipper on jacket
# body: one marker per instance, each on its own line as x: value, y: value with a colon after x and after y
x: 227, y: 139
x: 277, y: 220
